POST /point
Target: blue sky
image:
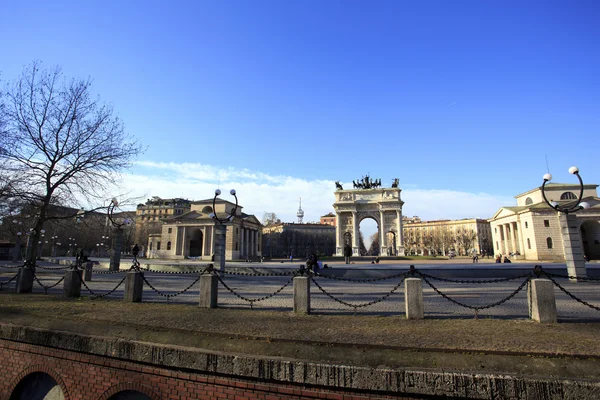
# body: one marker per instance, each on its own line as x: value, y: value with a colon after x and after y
x: 460, y: 100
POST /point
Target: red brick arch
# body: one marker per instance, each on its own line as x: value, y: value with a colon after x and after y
x: 40, y: 368
x: 129, y: 386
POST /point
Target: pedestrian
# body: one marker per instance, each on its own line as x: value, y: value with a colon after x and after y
x: 312, y: 263
x: 475, y: 258
x: 291, y: 258
x: 498, y: 259
x: 135, y: 251
x: 506, y: 260
x: 347, y: 253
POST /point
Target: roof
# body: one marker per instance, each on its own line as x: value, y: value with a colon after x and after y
x: 565, y: 186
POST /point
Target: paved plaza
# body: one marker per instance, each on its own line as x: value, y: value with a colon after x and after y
x: 342, y: 297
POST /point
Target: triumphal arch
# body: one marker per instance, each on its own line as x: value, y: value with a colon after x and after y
x: 369, y: 200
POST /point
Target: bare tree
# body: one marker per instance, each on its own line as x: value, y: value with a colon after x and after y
x: 61, y: 145
x: 269, y: 218
x: 465, y: 239
x: 374, y: 247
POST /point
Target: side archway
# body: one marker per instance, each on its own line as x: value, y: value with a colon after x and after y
x: 130, y: 391
x: 39, y: 382
x: 590, y: 236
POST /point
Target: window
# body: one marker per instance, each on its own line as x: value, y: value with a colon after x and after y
x: 495, y: 230
x: 150, y: 246
x: 497, y: 247
x: 528, y: 201
x: 526, y: 225
x: 568, y: 196
x: 549, y: 242
x: 547, y: 223
x: 157, y: 245
x: 170, y: 230
x: 168, y: 245
x: 528, y: 244
x: 236, y: 246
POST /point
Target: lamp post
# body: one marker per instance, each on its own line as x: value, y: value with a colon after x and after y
x: 72, y: 246
x: 17, y: 250
x: 221, y: 229
x: 117, y: 243
x: 569, y: 228
x: 54, y: 245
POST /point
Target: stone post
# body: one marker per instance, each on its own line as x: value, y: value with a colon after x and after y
x: 134, y: 287
x: 301, y: 295
x: 571, y: 237
x: 542, y: 303
x: 87, y: 271
x: 220, y: 231
x: 24, y: 280
x: 72, y: 283
x: 413, y: 298
x: 115, y: 254
x: 208, y: 291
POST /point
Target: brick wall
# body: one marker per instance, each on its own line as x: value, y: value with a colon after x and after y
x: 84, y: 376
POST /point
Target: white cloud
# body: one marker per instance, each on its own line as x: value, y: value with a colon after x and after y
x: 259, y: 192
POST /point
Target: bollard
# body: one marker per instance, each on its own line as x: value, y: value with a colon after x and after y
x: 301, y: 295
x: 542, y: 303
x: 87, y: 271
x: 72, y: 283
x: 413, y: 298
x: 208, y: 291
x: 24, y: 280
x: 134, y: 286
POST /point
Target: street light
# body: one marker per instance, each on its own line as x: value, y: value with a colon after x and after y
x: 54, y: 245
x: 570, y: 233
x: 117, y: 223
x: 220, y: 229
x: 17, y: 250
x: 574, y: 207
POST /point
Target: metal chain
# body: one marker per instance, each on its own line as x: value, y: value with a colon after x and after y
x: 168, y: 296
x: 99, y: 296
x: 530, y: 301
x: 12, y: 267
x: 176, y: 272
x: 53, y: 268
x: 477, y: 308
x: 9, y: 281
x: 47, y: 287
x: 252, y: 301
x: 294, y: 272
x: 355, y: 306
x: 571, y: 295
x: 579, y: 278
x: 109, y: 272
x: 472, y: 281
x: 361, y: 279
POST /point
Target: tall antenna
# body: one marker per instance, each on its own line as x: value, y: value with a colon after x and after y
x: 219, y: 180
x: 547, y: 168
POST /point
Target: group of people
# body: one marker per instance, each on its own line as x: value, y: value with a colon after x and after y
x: 499, y: 259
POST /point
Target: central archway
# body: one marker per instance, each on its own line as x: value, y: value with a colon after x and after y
x: 196, y: 243
x: 382, y: 205
x: 590, y: 236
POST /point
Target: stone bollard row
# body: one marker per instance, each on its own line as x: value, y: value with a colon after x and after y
x: 540, y: 296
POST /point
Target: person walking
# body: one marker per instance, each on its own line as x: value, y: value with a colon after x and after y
x: 135, y: 251
x: 347, y: 253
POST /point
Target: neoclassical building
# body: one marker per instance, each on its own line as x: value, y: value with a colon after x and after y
x: 282, y: 239
x: 533, y: 229
x: 192, y: 234
x: 464, y: 236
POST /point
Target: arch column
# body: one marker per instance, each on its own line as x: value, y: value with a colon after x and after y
x: 355, y: 234
x: 382, y: 235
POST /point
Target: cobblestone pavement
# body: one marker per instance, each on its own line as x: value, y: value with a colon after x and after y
x: 330, y: 297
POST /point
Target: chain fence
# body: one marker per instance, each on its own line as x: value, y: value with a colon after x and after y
x: 218, y: 273
x: 551, y: 277
x: 49, y: 286
x: 9, y: 281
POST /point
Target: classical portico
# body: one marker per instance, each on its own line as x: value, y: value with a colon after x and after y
x: 193, y: 234
x: 381, y: 204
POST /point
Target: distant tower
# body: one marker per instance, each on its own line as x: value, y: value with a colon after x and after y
x: 300, y: 213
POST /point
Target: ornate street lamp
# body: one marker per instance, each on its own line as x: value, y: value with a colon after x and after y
x: 569, y: 227
x: 17, y: 250
x: 221, y: 229
x: 117, y: 244
x: 54, y: 245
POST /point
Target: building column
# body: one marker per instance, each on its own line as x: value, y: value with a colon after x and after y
x: 382, y: 241
x: 355, y: 235
x: 186, y: 244
x: 337, y: 230
x: 399, y: 234
x: 252, y: 243
x: 518, y: 237
x: 502, y: 237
